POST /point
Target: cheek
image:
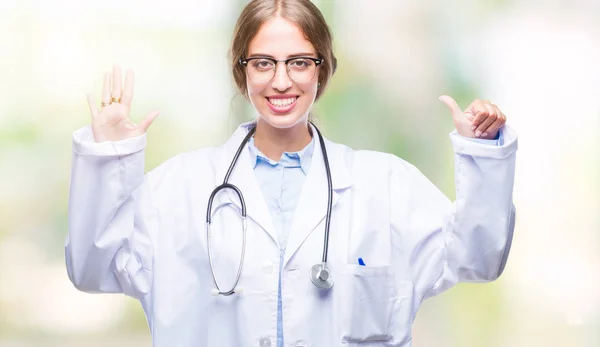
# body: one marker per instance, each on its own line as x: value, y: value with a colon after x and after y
x: 255, y: 93
x: 311, y: 91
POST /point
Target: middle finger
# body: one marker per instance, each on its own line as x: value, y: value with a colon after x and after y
x: 117, y: 83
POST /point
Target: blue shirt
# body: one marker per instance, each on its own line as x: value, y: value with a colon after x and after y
x: 281, y: 183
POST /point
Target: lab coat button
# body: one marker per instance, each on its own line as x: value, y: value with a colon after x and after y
x: 301, y: 344
x: 265, y: 342
x: 267, y: 267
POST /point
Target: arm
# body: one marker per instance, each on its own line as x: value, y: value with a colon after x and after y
x: 108, y: 247
x: 467, y: 240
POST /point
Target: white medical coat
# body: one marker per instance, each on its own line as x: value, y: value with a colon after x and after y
x: 145, y: 236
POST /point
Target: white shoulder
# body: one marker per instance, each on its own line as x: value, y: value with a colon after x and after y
x: 185, y: 165
x: 381, y: 163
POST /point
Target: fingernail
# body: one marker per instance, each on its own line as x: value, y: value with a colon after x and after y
x: 474, y: 127
x: 477, y: 133
x: 484, y: 134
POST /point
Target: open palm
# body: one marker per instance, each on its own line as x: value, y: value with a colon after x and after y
x: 113, y: 122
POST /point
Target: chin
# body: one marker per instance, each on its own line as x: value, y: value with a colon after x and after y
x: 283, y: 120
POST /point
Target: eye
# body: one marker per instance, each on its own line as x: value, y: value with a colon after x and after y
x: 262, y: 64
x: 300, y: 63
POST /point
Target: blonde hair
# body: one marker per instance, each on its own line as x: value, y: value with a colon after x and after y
x: 301, y: 12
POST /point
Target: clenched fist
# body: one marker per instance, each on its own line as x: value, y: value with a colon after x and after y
x: 481, y: 119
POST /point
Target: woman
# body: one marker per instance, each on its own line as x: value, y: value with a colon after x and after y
x: 394, y: 239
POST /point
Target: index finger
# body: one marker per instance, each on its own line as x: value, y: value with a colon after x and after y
x: 128, y: 91
x: 479, y: 111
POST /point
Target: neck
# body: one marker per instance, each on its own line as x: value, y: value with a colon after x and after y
x: 273, y: 142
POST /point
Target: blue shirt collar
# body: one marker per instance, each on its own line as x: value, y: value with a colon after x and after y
x: 301, y: 158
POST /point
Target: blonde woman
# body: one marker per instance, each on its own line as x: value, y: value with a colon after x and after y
x: 280, y: 237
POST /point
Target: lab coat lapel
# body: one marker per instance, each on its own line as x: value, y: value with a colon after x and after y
x: 244, y: 178
x: 312, y: 204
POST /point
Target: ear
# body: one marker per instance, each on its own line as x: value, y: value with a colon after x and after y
x: 334, y: 65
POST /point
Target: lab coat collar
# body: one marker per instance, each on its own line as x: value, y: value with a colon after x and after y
x: 312, y: 203
x: 303, y: 156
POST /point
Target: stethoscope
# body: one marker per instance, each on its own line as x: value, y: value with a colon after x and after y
x: 320, y: 275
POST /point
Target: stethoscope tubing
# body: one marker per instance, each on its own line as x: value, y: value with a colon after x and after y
x: 226, y: 185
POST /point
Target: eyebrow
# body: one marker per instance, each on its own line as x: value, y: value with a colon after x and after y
x: 289, y: 56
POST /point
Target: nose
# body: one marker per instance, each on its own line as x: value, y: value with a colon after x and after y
x: 281, y: 80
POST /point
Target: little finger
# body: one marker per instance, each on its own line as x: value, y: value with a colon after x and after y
x: 92, y: 105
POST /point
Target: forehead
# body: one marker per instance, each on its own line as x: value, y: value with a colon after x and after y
x: 279, y: 37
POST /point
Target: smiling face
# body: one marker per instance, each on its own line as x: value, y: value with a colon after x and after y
x: 281, y: 102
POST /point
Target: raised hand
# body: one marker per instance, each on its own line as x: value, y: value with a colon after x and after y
x: 481, y: 119
x: 112, y: 122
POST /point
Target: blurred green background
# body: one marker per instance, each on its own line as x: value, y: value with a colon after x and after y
x: 538, y: 60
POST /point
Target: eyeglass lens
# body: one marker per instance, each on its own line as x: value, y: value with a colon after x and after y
x: 300, y: 70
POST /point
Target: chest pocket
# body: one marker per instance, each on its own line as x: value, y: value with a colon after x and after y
x: 367, y: 303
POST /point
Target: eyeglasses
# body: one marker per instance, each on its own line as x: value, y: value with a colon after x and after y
x: 299, y: 69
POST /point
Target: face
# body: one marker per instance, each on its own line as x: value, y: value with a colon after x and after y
x: 281, y: 102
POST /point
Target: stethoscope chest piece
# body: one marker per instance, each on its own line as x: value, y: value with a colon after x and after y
x: 320, y: 276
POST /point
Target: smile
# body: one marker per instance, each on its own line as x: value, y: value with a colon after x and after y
x: 282, y: 105
x: 282, y: 102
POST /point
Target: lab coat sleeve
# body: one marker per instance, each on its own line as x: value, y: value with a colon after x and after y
x: 484, y: 141
x: 468, y: 240
x: 498, y: 141
x: 108, y: 247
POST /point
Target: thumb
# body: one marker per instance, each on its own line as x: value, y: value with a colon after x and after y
x: 145, y: 123
x: 452, y: 105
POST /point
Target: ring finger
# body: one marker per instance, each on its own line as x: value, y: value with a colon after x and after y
x: 106, y: 90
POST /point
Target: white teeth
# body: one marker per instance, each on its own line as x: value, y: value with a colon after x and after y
x: 282, y: 102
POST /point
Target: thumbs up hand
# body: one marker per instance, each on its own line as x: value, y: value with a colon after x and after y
x: 481, y: 119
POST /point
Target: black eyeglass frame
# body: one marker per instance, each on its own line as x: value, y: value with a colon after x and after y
x: 244, y: 62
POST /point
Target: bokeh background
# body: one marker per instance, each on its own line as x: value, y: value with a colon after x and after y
x: 539, y: 60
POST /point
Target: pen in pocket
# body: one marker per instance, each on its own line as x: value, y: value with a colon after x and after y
x: 361, y: 262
